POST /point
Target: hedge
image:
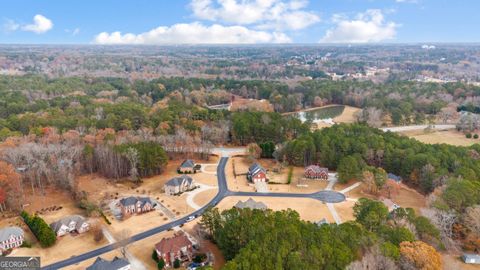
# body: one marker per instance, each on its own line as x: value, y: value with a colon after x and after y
x: 45, y: 235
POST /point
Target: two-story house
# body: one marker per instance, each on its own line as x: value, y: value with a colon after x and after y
x: 173, y: 248
x: 178, y: 185
x: 75, y: 223
x: 136, y: 205
x: 10, y: 238
x: 256, y: 173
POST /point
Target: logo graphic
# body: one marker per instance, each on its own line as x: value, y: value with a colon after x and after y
x: 19, y: 263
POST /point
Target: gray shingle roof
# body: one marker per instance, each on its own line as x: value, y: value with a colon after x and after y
x: 394, y: 177
x: 133, y: 200
x: 255, y: 168
x: 177, y: 181
x: 79, y: 220
x: 188, y: 163
x: 5, y: 233
x: 252, y: 204
x: 468, y: 256
x: 102, y: 264
x: 316, y: 169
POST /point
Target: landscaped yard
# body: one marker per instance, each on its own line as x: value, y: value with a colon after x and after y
x: 279, y: 180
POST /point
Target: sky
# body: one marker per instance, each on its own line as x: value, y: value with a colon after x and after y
x: 161, y: 22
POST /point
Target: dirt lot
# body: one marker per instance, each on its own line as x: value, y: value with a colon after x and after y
x: 348, y: 115
x: 345, y: 210
x: 453, y: 262
x: 251, y: 104
x: 240, y: 183
x: 309, y: 209
x: 406, y: 197
x: 452, y: 137
x: 205, y: 196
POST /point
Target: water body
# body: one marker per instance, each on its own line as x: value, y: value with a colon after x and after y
x: 324, y: 114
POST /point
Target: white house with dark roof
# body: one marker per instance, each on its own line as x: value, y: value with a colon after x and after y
x: 136, y: 205
x: 115, y: 264
x: 75, y: 223
x: 10, y: 238
x: 178, y: 185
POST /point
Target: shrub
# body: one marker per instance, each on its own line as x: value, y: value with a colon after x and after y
x: 161, y: 264
x: 290, y: 175
x: 199, y: 258
x: 155, y: 256
x: 468, y: 135
x: 176, y: 263
x: 26, y: 244
x: 475, y: 136
x: 45, y: 235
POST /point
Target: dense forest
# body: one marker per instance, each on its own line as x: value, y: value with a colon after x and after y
x: 32, y: 101
x: 256, y: 239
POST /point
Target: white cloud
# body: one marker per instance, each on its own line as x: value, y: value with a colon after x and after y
x: 369, y: 26
x: 41, y: 24
x: 193, y: 33
x: 10, y: 26
x: 262, y: 14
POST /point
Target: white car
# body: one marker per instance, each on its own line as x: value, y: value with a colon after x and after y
x: 190, y: 218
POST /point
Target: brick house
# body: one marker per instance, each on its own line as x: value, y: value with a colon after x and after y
x: 316, y: 172
x: 10, y: 238
x: 256, y: 173
x: 176, y: 247
x: 135, y: 205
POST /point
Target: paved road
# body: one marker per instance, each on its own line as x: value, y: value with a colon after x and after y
x: 327, y: 196
x: 417, y: 127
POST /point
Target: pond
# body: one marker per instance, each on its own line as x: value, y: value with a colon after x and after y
x: 324, y: 114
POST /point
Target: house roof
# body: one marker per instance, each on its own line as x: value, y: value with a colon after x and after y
x: 133, y: 200
x: 102, y: 264
x: 316, y: 169
x: 394, y: 177
x: 7, y: 232
x: 255, y: 168
x: 172, y: 244
x: 178, y: 181
x: 469, y: 256
x: 252, y: 204
x: 79, y: 220
x: 188, y: 163
x: 321, y: 222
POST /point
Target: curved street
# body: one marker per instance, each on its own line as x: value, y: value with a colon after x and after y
x: 327, y: 196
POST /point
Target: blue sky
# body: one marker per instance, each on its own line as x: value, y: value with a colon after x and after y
x: 238, y: 21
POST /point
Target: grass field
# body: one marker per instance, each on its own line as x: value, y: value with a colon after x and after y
x: 451, y: 136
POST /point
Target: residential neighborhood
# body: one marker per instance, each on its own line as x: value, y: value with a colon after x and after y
x: 240, y: 135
